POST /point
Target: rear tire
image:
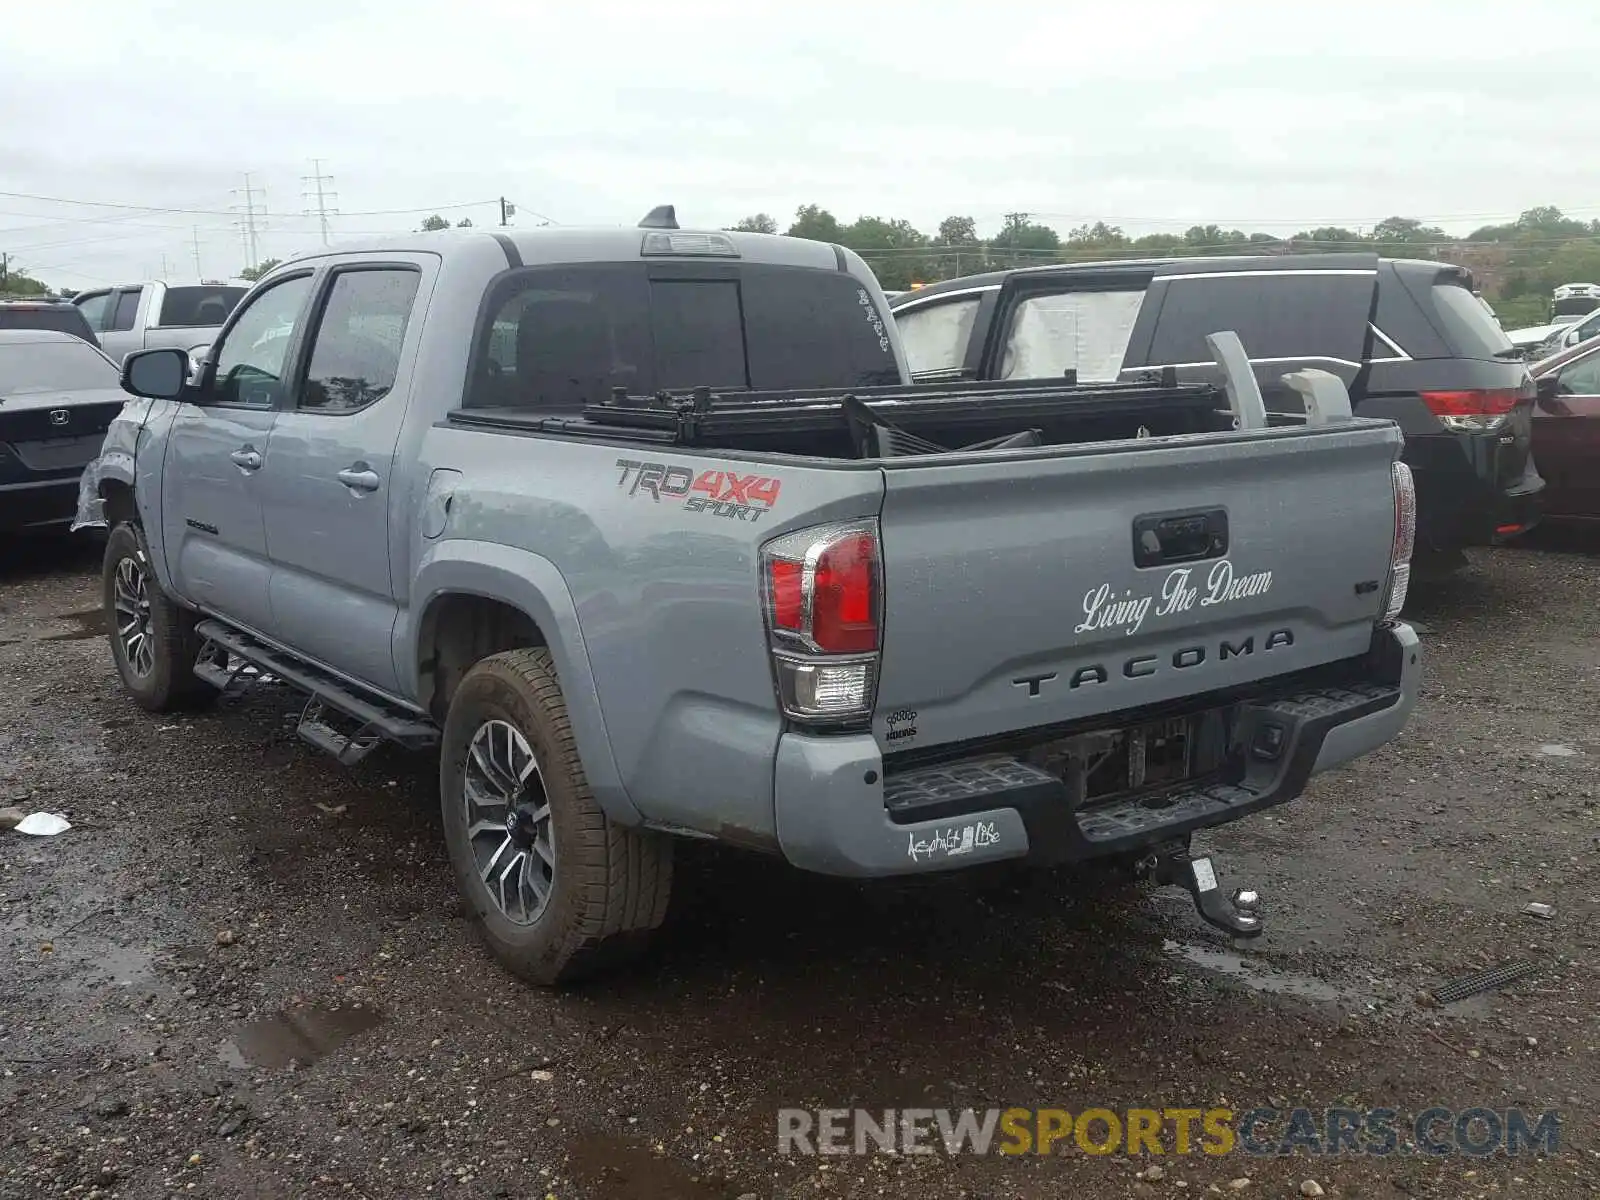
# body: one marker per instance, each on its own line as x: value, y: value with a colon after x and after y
x: 153, y: 642
x: 557, y: 890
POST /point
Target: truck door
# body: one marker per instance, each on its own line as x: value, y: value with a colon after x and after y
x: 121, y: 334
x: 211, y: 520
x: 332, y: 485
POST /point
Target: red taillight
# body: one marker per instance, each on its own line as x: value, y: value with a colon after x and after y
x: 1478, y: 402
x: 822, y: 591
x: 786, y: 594
x: 844, y: 604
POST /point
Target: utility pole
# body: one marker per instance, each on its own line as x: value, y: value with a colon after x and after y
x: 199, y: 273
x: 164, y: 271
x: 507, y: 210
x: 316, y: 179
x: 249, y: 215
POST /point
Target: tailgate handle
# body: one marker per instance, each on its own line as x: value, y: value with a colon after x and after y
x: 1163, y: 538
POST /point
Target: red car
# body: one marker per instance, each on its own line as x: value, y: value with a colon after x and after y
x: 1566, y: 431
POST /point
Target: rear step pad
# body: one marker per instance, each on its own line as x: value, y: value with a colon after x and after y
x: 377, y: 720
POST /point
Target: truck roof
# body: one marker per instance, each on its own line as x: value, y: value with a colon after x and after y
x: 563, y: 244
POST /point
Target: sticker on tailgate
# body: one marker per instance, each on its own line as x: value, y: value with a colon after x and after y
x: 1179, y: 592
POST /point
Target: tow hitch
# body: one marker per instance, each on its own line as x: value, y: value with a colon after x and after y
x: 1239, y: 916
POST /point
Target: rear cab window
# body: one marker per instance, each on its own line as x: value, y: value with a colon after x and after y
x: 198, y: 306
x: 559, y: 338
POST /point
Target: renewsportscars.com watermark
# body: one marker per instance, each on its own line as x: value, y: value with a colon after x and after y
x: 1477, y: 1132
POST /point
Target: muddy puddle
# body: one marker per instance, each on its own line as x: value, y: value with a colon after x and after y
x: 298, y: 1035
x: 1258, y: 977
x: 90, y: 623
x: 622, y: 1169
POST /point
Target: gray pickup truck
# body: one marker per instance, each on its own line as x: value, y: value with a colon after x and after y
x: 645, y: 533
x: 143, y: 316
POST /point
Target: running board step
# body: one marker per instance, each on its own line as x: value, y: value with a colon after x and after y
x: 375, y: 719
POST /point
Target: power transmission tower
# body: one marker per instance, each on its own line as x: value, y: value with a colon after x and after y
x: 199, y: 273
x: 316, y: 179
x: 250, y: 215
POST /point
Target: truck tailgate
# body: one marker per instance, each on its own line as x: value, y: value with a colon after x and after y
x: 1013, y: 598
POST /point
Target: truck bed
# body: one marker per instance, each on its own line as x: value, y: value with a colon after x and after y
x: 934, y: 418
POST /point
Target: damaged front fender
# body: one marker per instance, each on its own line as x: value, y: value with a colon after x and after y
x: 113, y: 465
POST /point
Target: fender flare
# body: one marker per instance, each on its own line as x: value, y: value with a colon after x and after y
x: 534, y: 585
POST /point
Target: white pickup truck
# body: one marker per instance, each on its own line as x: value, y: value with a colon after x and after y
x: 154, y: 315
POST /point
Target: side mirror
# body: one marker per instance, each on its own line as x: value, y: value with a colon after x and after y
x: 155, y: 374
x: 1549, y: 387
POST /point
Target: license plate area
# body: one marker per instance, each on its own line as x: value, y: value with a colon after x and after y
x: 1147, y: 759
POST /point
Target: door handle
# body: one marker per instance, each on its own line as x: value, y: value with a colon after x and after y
x: 361, y: 479
x: 247, y: 458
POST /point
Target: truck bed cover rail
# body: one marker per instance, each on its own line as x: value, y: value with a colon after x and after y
x: 707, y: 418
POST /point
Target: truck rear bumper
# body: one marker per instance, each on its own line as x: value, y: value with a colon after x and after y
x: 837, y: 813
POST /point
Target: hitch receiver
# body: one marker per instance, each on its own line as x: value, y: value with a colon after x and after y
x: 1238, y: 917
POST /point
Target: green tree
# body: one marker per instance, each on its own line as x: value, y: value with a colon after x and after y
x: 758, y: 223
x: 434, y: 223
x: 891, y: 247
x: 957, y: 231
x: 464, y: 223
x: 1407, y: 231
x: 1022, y: 240
x: 811, y: 221
x: 261, y: 268
x: 1336, y: 236
x: 15, y: 282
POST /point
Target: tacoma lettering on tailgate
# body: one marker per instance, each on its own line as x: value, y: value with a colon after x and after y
x: 718, y: 493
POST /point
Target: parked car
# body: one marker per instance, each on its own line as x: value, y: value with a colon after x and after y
x: 1409, y: 339
x: 40, y: 314
x: 645, y: 534
x: 1581, y: 330
x: 1573, y: 300
x: 1566, y: 431
x: 139, y: 316
x: 1530, y: 341
x: 58, y: 394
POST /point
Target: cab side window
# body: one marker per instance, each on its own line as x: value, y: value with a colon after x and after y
x: 355, y: 349
x: 251, y: 359
x: 121, y: 318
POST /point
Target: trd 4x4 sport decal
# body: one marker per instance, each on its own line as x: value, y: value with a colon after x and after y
x: 719, y: 493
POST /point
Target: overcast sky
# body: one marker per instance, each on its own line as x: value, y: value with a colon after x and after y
x: 1153, y: 116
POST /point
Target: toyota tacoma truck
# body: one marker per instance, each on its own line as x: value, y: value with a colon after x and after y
x: 645, y: 533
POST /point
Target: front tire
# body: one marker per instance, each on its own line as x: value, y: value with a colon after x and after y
x: 153, y: 641
x: 557, y: 889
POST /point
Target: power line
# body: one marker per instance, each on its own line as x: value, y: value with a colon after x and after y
x: 248, y: 221
x: 316, y: 179
x: 219, y: 212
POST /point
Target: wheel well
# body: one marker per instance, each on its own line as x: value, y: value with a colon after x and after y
x: 459, y: 630
x: 119, y: 504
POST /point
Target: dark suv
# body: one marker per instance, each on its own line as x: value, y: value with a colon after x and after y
x: 1410, y: 340
x: 46, y: 313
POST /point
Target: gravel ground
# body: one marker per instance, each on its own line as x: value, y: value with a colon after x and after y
x: 244, y: 973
